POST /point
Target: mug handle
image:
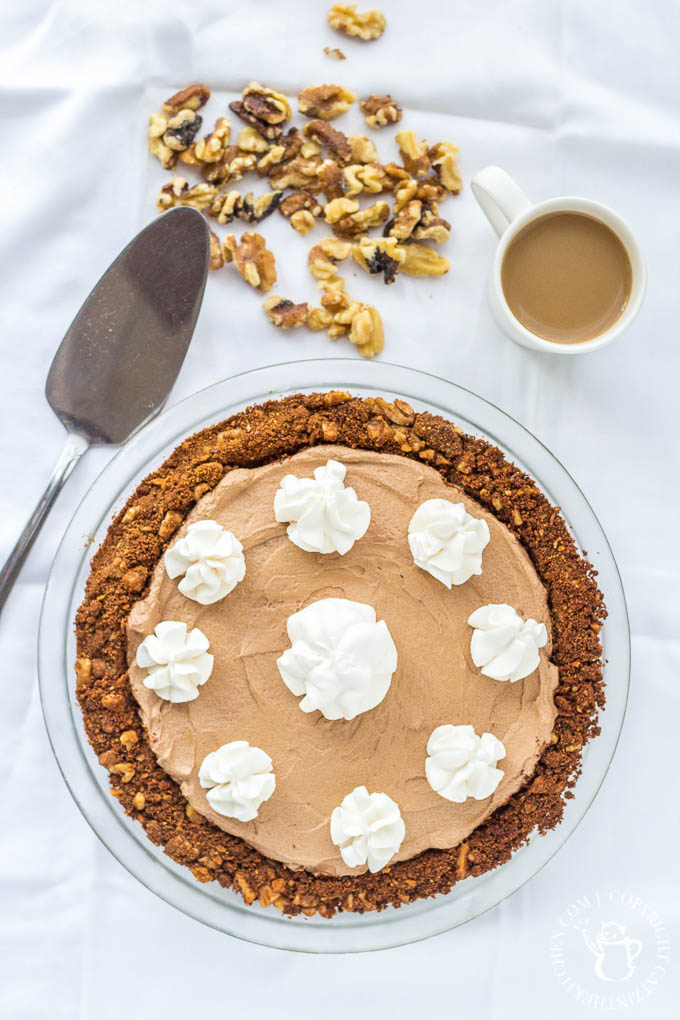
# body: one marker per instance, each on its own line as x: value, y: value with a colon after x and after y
x: 501, y: 200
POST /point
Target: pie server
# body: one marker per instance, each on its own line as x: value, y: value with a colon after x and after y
x: 123, y: 351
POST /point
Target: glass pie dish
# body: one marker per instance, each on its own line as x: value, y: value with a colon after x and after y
x: 88, y: 781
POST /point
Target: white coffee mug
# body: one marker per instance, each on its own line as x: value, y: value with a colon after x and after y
x: 508, y: 210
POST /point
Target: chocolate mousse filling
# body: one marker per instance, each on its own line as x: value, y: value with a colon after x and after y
x: 286, y: 857
x: 317, y: 762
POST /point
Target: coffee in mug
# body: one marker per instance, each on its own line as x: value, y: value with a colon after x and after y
x: 566, y: 276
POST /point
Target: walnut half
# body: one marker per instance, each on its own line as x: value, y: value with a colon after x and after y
x: 252, y: 259
x: 325, y: 102
x: 362, y: 24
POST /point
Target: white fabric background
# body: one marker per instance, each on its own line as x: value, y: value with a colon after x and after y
x: 574, y: 96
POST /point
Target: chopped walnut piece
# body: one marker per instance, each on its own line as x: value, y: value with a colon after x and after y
x: 231, y: 167
x: 333, y: 51
x: 356, y: 223
x: 216, y: 256
x: 363, y: 24
x: 336, y: 143
x: 284, y: 149
x: 444, y: 160
x: 254, y: 210
x: 431, y: 226
x: 211, y: 149
x: 225, y: 206
x: 157, y: 127
x: 284, y: 313
x: 380, y: 110
x: 374, y: 179
x: 319, y: 319
x: 263, y: 109
x: 429, y: 189
x: 250, y: 140
x: 414, y: 154
x: 421, y: 260
x: 181, y: 130
x: 332, y: 179
x: 352, y: 185
x: 339, y: 207
x: 193, y: 97
x: 297, y: 173
x: 252, y: 259
x: 301, y: 209
x: 178, y: 192
x: 363, y: 149
x: 367, y: 332
x: 405, y: 222
x: 379, y: 255
x: 324, y: 255
x: 325, y: 102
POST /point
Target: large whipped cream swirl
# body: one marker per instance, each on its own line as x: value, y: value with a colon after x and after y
x: 503, y: 644
x: 211, y: 559
x: 238, y: 778
x: 368, y: 828
x: 461, y: 764
x: 446, y: 541
x: 178, y: 662
x: 325, y: 515
x: 341, y: 658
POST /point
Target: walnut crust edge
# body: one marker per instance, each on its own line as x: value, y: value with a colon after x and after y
x: 122, y: 567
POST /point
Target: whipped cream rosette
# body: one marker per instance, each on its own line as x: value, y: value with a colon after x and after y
x: 239, y: 779
x: 341, y: 658
x: 503, y: 645
x: 446, y: 541
x: 368, y: 828
x: 462, y: 764
x: 210, y: 560
x: 177, y: 661
x: 325, y: 515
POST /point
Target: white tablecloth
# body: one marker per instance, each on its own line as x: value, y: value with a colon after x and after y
x: 571, y: 97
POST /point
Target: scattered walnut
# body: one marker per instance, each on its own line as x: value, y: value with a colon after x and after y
x: 263, y: 109
x: 301, y: 209
x: 157, y: 127
x: 128, y: 739
x: 284, y: 149
x: 254, y: 210
x: 333, y: 51
x: 339, y: 207
x: 252, y: 259
x: 325, y: 101
x: 250, y: 140
x: 380, y: 110
x: 332, y: 179
x: 379, y: 255
x: 178, y: 192
x: 231, y: 167
x: 414, y: 154
x: 367, y: 332
x: 374, y: 178
x: 284, y: 313
x: 404, y: 223
x: 181, y: 130
x: 431, y: 227
x: 363, y: 24
x: 211, y: 149
x: 139, y: 801
x: 356, y: 223
x: 363, y: 149
x: 430, y: 190
x: 225, y: 206
x: 216, y: 256
x: 336, y: 143
x: 319, y: 319
x: 297, y: 173
x: 323, y: 257
x: 193, y: 97
x: 421, y: 260
x: 444, y: 160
